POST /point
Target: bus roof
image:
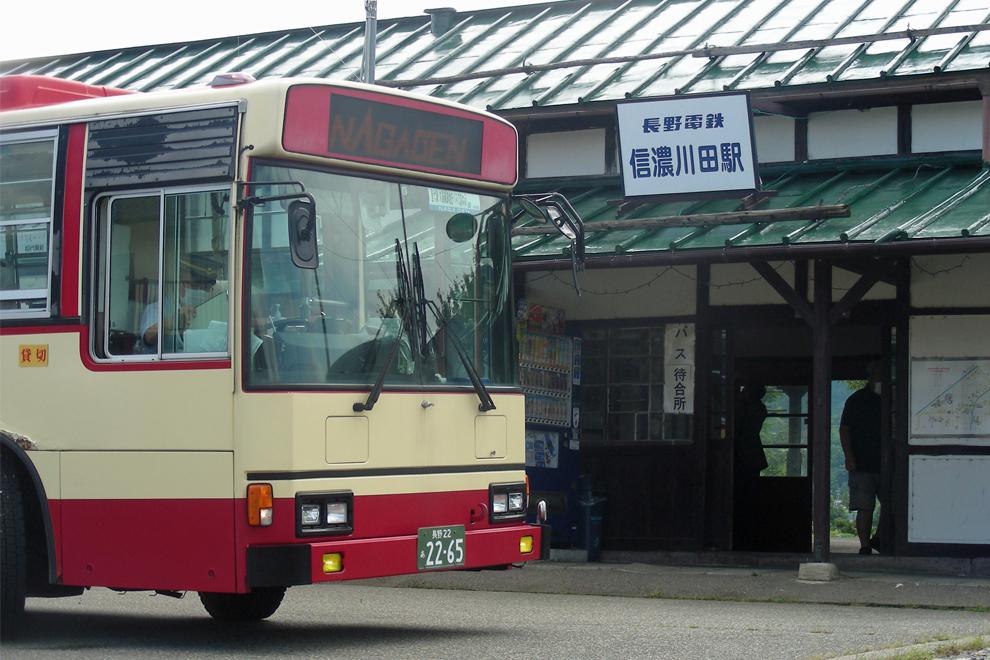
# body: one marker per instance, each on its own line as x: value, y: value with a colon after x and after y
x: 65, y: 106
x: 45, y: 102
x: 17, y: 92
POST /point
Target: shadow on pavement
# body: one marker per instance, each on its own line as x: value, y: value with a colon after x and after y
x: 64, y: 631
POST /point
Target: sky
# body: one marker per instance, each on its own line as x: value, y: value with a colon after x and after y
x: 37, y: 28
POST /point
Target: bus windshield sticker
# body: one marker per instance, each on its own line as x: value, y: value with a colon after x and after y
x: 454, y: 201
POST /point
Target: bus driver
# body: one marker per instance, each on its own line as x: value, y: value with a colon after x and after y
x: 185, y: 312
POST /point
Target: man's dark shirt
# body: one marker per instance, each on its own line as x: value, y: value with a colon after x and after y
x: 861, y: 415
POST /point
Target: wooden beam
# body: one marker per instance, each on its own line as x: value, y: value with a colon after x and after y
x: 704, y: 219
x: 887, y: 271
x: 717, y: 51
x: 797, y: 303
x: 855, y: 293
x: 801, y: 278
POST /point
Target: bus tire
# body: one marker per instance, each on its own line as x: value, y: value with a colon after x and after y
x: 253, y: 606
x: 13, y: 564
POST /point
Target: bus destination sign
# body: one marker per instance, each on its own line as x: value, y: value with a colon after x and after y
x: 409, y: 135
x: 390, y: 133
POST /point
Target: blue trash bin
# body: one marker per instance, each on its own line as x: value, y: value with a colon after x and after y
x: 593, y: 510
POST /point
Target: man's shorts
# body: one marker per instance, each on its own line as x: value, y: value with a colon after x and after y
x: 864, y: 487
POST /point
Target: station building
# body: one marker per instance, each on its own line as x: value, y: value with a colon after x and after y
x: 880, y: 106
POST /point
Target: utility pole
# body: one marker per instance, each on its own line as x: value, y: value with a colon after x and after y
x: 370, y: 36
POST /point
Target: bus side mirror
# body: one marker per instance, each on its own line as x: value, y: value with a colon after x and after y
x: 302, y: 234
x: 461, y: 227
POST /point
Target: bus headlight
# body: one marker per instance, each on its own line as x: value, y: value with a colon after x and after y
x: 508, y: 501
x: 310, y: 514
x: 336, y: 513
x: 324, y: 513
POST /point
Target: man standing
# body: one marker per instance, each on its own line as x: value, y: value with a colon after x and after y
x: 750, y: 460
x: 859, y: 432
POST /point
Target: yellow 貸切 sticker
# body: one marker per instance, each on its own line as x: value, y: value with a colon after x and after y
x: 33, y: 355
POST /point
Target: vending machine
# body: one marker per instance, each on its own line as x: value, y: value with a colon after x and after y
x: 549, y: 369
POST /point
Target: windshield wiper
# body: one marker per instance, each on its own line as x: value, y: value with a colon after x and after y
x: 419, y: 302
x: 412, y: 305
x: 402, y: 276
x: 422, y: 303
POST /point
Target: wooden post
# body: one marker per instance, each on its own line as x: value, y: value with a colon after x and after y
x: 821, y: 397
x: 702, y: 383
x: 902, y: 364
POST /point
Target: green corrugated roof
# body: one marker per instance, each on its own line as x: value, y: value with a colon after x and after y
x: 574, y: 30
x: 910, y: 202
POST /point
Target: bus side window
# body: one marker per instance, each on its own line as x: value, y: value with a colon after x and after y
x: 27, y: 165
x: 131, y: 288
x: 196, y: 263
x: 163, y: 273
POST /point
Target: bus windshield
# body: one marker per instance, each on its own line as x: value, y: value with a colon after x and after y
x: 406, y: 269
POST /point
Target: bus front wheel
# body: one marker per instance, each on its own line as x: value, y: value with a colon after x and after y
x: 254, y: 606
x: 13, y: 564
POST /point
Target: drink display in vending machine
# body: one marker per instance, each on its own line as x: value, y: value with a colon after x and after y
x: 547, y: 357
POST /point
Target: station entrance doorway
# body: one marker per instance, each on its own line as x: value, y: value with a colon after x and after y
x: 768, y: 507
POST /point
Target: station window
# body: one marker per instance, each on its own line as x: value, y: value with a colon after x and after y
x: 785, y: 431
x: 27, y: 175
x: 162, y: 278
x: 622, y: 389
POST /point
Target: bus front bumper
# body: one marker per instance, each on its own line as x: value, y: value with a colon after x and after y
x: 303, y: 563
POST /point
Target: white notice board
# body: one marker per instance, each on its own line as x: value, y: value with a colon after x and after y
x: 687, y: 145
x: 948, y: 499
x: 678, y: 368
x: 950, y: 401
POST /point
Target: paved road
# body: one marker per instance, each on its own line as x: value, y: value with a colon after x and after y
x: 356, y: 620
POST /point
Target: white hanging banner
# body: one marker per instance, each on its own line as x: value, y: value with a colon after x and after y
x: 687, y: 145
x: 678, y: 368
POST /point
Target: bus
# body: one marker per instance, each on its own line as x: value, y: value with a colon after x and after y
x: 254, y: 335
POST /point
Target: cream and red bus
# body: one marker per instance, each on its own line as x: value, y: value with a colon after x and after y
x: 254, y: 335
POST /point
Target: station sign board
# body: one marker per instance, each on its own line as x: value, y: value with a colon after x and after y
x: 687, y: 145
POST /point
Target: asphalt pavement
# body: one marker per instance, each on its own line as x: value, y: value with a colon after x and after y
x: 358, y: 620
x: 553, y: 609
x: 776, y: 585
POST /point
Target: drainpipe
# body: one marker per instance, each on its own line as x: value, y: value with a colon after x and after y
x: 985, y: 91
x: 370, y: 36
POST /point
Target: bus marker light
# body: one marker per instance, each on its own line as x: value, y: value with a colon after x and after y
x: 525, y: 544
x: 259, y: 499
x: 333, y: 562
x: 231, y: 79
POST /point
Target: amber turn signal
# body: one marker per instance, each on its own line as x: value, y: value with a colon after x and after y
x: 333, y: 562
x: 259, y: 500
x: 525, y: 544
